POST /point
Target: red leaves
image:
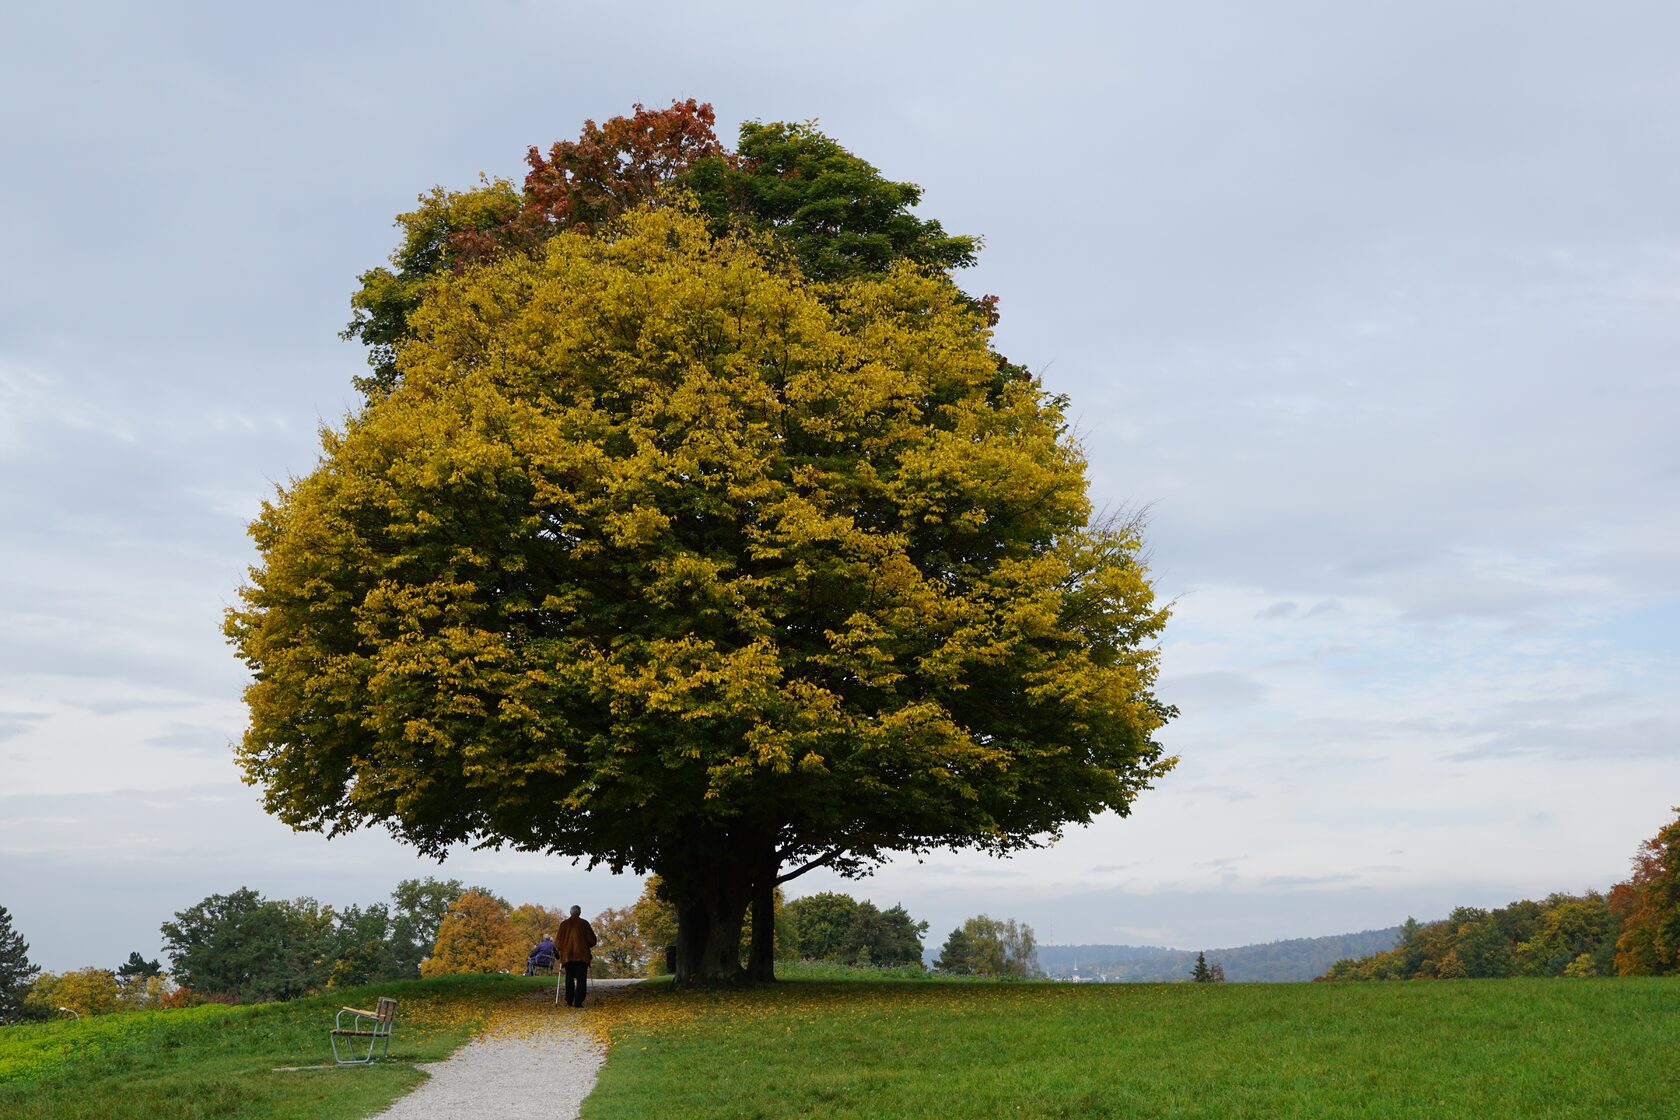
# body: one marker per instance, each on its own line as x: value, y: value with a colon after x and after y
x: 611, y: 167
x: 607, y: 170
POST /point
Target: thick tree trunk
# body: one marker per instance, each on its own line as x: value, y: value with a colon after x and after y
x: 761, y: 955
x: 708, y: 946
x: 711, y: 903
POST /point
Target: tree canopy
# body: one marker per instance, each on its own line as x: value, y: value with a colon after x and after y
x: 663, y: 553
x: 250, y: 948
x: 84, y: 991
x: 829, y: 926
x: 476, y: 935
x: 834, y: 211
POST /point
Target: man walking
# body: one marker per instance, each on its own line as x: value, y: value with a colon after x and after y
x: 576, y: 939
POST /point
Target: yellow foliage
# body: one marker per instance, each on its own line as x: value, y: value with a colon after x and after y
x: 1581, y: 966
x: 86, y: 991
x: 476, y: 935
x: 656, y: 923
x: 661, y: 552
x: 620, y: 951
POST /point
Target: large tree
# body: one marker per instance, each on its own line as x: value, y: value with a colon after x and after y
x: 476, y: 935
x: 660, y: 553
x: 249, y: 947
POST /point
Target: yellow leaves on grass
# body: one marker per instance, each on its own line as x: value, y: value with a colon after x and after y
x: 617, y: 1015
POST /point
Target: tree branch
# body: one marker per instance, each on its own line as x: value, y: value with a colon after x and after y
x: 828, y: 857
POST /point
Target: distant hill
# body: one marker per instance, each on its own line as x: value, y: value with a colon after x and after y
x: 1300, y: 958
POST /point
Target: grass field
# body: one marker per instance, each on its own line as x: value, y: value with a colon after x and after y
x: 216, y: 1061
x: 1489, y: 1049
x: 817, y: 1046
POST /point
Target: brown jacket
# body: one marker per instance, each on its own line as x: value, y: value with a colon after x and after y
x: 575, y: 940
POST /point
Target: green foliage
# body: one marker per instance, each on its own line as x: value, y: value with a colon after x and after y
x: 836, y: 213
x: 1526, y: 938
x: 364, y: 949
x: 829, y: 926
x: 984, y: 946
x: 251, y: 948
x: 665, y: 557
x: 1201, y: 973
x: 1581, y: 967
x: 1633, y: 932
x: 244, y: 946
x: 834, y: 970
x: 16, y: 971
x: 137, y: 967
x: 825, y: 927
x: 417, y: 908
x: 953, y: 958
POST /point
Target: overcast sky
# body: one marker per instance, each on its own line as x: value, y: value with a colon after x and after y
x: 1373, y: 304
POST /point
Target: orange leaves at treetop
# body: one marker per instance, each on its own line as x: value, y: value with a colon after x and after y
x: 610, y: 168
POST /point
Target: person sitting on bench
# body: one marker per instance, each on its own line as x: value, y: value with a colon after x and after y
x: 542, y: 956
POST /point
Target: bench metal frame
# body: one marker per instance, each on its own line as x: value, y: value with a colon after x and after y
x: 378, y: 1028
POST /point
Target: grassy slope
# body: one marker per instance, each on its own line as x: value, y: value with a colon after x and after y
x: 1438, y: 1050
x: 219, y: 1061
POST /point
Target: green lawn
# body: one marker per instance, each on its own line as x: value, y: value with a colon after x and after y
x: 216, y: 1061
x: 849, y: 1048
x: 1487, y: 1050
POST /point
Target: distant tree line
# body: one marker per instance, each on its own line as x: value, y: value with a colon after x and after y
x: 827, y: 927
x: 1632, y: 931
x: 241, y: 947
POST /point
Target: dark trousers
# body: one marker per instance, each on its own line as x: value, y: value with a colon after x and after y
x: 577, y: 982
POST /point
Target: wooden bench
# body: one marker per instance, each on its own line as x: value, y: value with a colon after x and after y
x: 371, y: 1025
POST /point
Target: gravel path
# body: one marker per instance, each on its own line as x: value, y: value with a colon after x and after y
x: 535, y: 1074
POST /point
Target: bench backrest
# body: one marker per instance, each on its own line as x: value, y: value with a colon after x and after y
x: 387, y: 1009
